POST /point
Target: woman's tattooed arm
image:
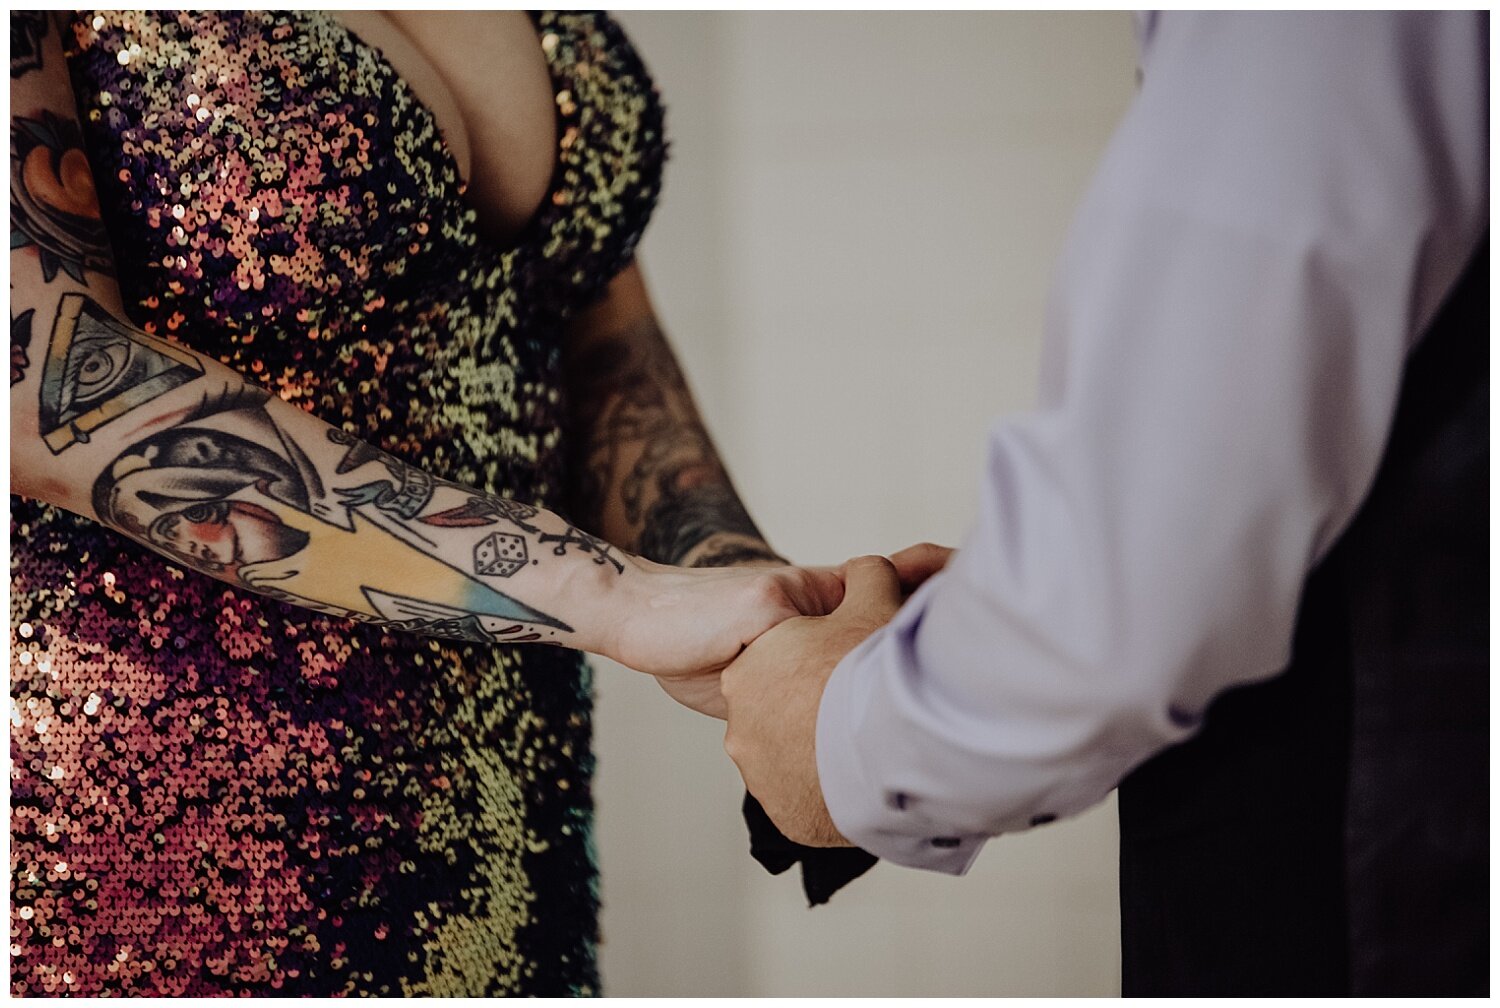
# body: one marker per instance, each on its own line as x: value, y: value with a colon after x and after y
x: 184, y: 455
x: 54, y: 210
x: 647, y: 475
x: 177, y: 451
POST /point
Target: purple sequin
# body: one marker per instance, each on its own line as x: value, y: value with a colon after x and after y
x: 215, y: 793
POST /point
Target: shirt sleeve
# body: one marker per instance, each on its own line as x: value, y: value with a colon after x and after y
x: 1277, y: 219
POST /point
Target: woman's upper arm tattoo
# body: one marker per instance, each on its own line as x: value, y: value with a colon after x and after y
x: 53, y: 205
x: 27, y: 29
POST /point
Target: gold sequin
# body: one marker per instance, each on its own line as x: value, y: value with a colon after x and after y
x: 214, y: 793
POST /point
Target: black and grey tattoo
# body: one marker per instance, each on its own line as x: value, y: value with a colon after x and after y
x: 733, y: 554
x: 27, y: 29
x: 587, y: 544
x: 53, y: 205
x: 500, y: 554
x: 20, y: 342
x: 683, y: 515
x: 675, y: 492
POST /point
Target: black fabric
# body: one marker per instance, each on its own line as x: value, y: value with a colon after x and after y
x: 1327, y: 831
x: 1231, y: 852
x: 825, y: 870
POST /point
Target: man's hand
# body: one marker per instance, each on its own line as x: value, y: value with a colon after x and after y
x: 684, y: 625
x: 772, y: 693
x: 784, y: 592
x: 916, y: 564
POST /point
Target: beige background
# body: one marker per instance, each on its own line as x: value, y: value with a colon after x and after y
x: 851, y: 257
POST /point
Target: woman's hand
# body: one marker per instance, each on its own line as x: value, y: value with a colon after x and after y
x: 683, y: 625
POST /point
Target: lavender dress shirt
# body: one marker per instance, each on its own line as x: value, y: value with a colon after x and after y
x: 1282, y: 210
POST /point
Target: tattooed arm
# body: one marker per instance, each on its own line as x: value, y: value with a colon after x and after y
x: 183, y: 455
x: 647, y: 476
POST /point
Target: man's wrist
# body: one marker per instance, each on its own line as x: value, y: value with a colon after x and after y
x: 851, y: 748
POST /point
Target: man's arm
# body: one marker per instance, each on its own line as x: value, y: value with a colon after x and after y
x: 1281, y: 213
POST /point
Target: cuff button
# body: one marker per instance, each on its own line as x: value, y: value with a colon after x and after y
x: 946, y: 841
x: 1043, y: 820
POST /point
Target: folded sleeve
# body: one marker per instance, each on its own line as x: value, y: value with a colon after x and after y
x: 1281, y: 212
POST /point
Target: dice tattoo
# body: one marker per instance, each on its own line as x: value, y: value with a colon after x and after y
x: 500, y: 554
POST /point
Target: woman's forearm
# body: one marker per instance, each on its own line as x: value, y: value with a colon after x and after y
x: 648, y: 477
x: 183, y: 455
x: 180, y: 453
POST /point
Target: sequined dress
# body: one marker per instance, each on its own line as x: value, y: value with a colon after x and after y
x: 217, y: 793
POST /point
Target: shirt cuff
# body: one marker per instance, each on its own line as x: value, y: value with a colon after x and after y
x: 881, y: 821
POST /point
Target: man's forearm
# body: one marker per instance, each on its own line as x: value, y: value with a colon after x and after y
x: 1224, y: 379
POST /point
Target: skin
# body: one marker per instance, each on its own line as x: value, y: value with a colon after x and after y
x: 772, y: 691
x: 335, y: 525
x: 457, y: 62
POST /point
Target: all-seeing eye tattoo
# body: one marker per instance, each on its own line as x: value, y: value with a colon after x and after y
x: 97, y: 369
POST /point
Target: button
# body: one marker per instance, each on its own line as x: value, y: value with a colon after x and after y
x: 946, y: 841
x: 1184, y: 718
x: 896, y: 800
x: 1043, y: 820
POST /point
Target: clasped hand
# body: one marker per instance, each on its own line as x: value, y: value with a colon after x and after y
x: 756, y: 646
x: 685, y: 625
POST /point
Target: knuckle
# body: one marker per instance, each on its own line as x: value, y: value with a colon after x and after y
x: 876, y: 564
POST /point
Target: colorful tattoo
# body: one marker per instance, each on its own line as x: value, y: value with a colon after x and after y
x: 53, y: 206
x: 97, y: 369
x: 229, y: 492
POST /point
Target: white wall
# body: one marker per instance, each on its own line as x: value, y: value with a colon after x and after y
x: 851, y: 257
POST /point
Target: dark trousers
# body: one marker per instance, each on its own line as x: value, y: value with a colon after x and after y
x: 1327, y: 831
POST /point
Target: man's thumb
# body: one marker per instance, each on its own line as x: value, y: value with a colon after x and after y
x: 872, y: 588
